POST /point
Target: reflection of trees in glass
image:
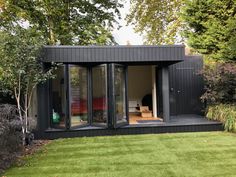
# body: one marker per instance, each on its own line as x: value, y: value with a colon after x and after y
x: 74, y: 76
x: 120, y: 93
x: 78, y: 81
x: 118, y: 79
x: 78, y: 95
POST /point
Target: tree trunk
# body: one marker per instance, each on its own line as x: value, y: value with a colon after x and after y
x: 18, y: 96
x: 51, y: 33
x: 21, y: 118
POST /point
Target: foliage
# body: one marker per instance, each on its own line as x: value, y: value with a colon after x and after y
x: 157, y: 19
x: 9, y: 124
x: 211, y: 27
x: 220, y: 83
x: 178, y: 155
x: 20, y: 69
x: 64, y: 22
x: 225, y: 113
x: 10, y: 136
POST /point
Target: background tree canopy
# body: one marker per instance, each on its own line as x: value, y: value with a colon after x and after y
x: 211, y: 27
x: 65, y: 22
x: 158, y: 20
x: 207, y: 26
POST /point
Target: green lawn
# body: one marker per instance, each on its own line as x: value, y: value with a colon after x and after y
x: 184, y: 154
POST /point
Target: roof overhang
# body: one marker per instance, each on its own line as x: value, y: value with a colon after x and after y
x: 120, y: 54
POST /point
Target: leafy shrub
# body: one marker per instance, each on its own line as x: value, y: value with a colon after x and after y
x: 225, y: 113
x: 220, y: 83
x: 10, y: 134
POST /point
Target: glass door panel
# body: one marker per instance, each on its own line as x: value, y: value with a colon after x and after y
x: 58, y: 98
x: 120, y: 95
x: 78, y: 96
x: 99, y: 95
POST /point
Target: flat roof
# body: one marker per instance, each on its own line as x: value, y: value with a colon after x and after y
x: 120, y: 53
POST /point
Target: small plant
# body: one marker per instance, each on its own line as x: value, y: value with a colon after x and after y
x: 225, y: 113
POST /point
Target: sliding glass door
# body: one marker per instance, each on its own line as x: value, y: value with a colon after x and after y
x: 120, y: 96
x: 99, y: 95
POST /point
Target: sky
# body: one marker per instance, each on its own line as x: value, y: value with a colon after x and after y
x: 126, y: 33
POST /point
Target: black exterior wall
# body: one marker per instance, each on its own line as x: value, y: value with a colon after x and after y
x: 179, y: 86
x: 186, y: 86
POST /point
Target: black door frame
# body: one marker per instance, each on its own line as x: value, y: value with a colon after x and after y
x: 68, y: 97
x: 113, y: 115
x: 91, y: 95
x: 159, y: 91
x: 110, y: 123
x: 110, y: 95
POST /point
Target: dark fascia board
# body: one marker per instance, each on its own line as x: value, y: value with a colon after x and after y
x: 121, y: 54
x: 193, y: 56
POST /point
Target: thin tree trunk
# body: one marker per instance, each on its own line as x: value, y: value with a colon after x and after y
x: 51, y: 33
x: 27, y: 106
x: 18, y: 95
x: 26, y: 112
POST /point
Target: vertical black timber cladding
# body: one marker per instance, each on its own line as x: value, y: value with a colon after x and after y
x: 68, y: 54
x: 67, y: 87
x: 42, y: 113
x: 186, y: 86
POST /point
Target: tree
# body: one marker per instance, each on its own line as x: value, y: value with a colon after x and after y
x: 65, y: 22
x: 211, y: 27
x: 20, y: 68
x: 158, y: 20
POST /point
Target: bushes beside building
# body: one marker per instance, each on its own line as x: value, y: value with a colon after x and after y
x: 10, y: 135
x: 220, y: 93
x: 225, y: 113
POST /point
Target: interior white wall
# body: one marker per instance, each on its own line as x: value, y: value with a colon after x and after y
x: 154, y: 92
x: 139, y: 82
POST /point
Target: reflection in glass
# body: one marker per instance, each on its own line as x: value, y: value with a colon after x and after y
x: 78, y: 95
x: 120, y: 101
x: 58, y: 99
x: 99, y: 86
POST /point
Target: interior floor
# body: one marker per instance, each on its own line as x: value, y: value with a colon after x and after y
x: 137, y: 119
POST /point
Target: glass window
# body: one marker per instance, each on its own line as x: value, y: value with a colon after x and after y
x: 120, y: 95
x: 58, y: 115
x: 99, y: 91
x: 78, y: 96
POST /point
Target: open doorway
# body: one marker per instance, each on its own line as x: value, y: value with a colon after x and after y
x: 142, y: 97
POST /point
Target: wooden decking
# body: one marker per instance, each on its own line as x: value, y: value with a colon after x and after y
x: 134, y: 118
